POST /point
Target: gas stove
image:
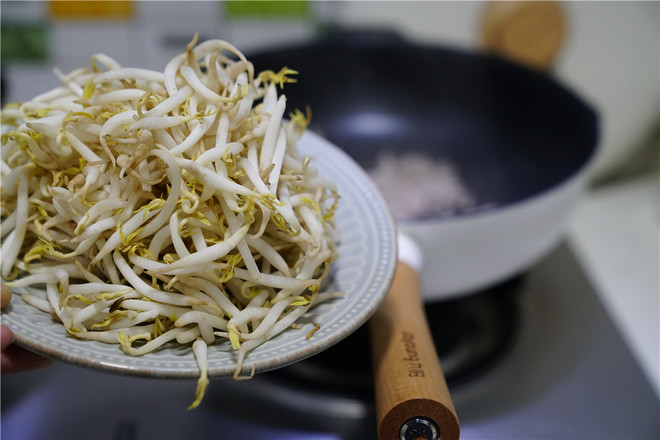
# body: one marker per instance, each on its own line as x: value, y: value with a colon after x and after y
x: 556, y: 367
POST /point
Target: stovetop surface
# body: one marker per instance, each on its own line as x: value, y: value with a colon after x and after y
x: 564, y: 373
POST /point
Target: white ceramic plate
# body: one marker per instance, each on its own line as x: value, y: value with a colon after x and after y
x: 364, y: 271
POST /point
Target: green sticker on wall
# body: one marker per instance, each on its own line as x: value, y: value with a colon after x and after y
x: 24, y: 41
x: 266, y: 9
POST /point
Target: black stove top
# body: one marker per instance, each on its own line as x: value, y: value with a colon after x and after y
x: 471, y: 334
x: 534, y: 358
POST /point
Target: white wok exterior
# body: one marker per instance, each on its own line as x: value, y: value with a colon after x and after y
x: 465, y: 254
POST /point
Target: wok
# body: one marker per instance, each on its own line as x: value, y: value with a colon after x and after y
x: 520, y: 141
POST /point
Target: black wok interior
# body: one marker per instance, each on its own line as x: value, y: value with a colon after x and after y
x: 511, y: 132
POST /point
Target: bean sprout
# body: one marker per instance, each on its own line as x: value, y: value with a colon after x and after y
x: 166, y: 207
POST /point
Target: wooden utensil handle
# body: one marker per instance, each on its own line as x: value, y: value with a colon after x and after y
x: 408, y: 378
x: 529, y: 32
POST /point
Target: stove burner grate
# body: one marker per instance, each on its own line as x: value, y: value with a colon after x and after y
x: 471, y: 334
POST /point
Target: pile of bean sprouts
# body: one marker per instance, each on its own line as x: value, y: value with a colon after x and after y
x: 166, y: 206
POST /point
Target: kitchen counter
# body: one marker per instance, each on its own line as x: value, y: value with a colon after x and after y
x: 615, y: 234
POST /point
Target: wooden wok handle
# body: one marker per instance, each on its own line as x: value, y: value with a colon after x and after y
x: 529, y: 32
x: 410, y: 386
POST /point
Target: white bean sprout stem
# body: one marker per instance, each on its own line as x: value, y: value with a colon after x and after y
x: 166, y: 207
